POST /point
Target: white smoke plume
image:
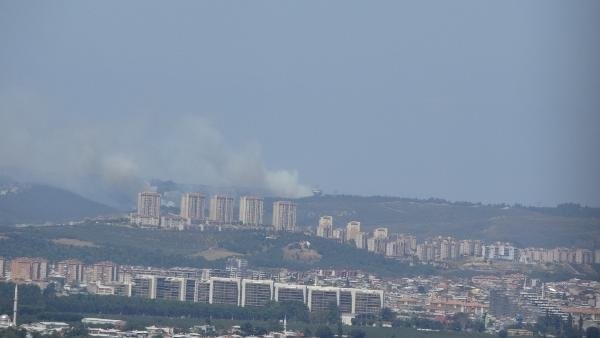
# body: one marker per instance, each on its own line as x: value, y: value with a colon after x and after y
x: 110, y: 159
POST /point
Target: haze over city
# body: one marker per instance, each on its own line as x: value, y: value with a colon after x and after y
x: 468, y: 101
x: 300, y: 169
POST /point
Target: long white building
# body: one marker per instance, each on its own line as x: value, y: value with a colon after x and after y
x: 250, y: 292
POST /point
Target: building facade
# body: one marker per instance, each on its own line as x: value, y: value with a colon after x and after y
x: 284, y: 216
x: 325, y: 227
x: 352, y: 230
x: 72, y: 270
x: 221, y: 209
x: 251, y: 210
x: 29, y: 269
x: 192, y: 206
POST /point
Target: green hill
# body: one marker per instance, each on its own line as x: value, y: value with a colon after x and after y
x: 568, y: 225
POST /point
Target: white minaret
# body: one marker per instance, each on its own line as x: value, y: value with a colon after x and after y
x: 285, y: 324
x: 14, y: 323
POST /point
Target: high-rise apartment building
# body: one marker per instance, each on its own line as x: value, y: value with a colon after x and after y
x: 325, y: 228
x: 72, y: 270
x: 251, y: 210
x: 103, y: 272
x: 29, y: 269
x: 192, y: 206
x: 221, y: 209
x: 380, y: 233
x: 284, y: 216
x: 352, y: 230
x: 149, y: 204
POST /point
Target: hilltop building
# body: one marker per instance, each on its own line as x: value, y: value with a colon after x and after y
x: 284, y: 216
x: 352, y: 230
x: 221, y: 209
x: 325, y: 227
x: 148, y: 209
x: 251, y: 210
x: 192, y: 206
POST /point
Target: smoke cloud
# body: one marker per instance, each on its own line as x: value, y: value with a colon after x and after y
x: 110, y: 160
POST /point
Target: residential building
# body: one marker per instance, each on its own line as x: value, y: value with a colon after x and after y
x: 380, y: 233
x: 170, y: 288
x: 290, y: 292
x: 500, y: 250
x: 361, y: 240
x: 148, y: 204
x: 256, y: 292
x: 284, y: 216
x: 352, y: 230
x: 348, y: 300
x: 72, y: 270
x: 221, y: 209
x: 143, y: 286
x: 325, y: 227
x: 104, y: 272
x: 192, y: 206
x: 251, y: 210
x: 148, y: 210
x: 173, y: 222
x: 29, y: 269
x: 338, y: 233
x: 225, y: 291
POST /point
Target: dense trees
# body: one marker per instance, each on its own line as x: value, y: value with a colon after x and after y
x: 592, y: 332
x: 357, y: 333
x: 324, y: 332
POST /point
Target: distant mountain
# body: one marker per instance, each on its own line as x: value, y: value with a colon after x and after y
x: 37, y: 203
x: 568, y: 224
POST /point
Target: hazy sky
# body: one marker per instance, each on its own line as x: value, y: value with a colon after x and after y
x: 465, y: 100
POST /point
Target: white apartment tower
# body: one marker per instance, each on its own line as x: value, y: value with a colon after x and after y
x: 325, y: 228
x: 192, y: 206
x: 221, y: 209
x: 352, y: 230
x: 148, y: 204
x: 380, y: 233
x: 251, y: 210
x: 284, y: 216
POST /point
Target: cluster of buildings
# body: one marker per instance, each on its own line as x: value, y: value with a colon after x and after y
x: 443, y: 249
x: 497, y: 301
x: 438, y: 249
x: 71, y: 272
x: 193, y: 208
x: 559, y: 255
x: 188, y: 284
